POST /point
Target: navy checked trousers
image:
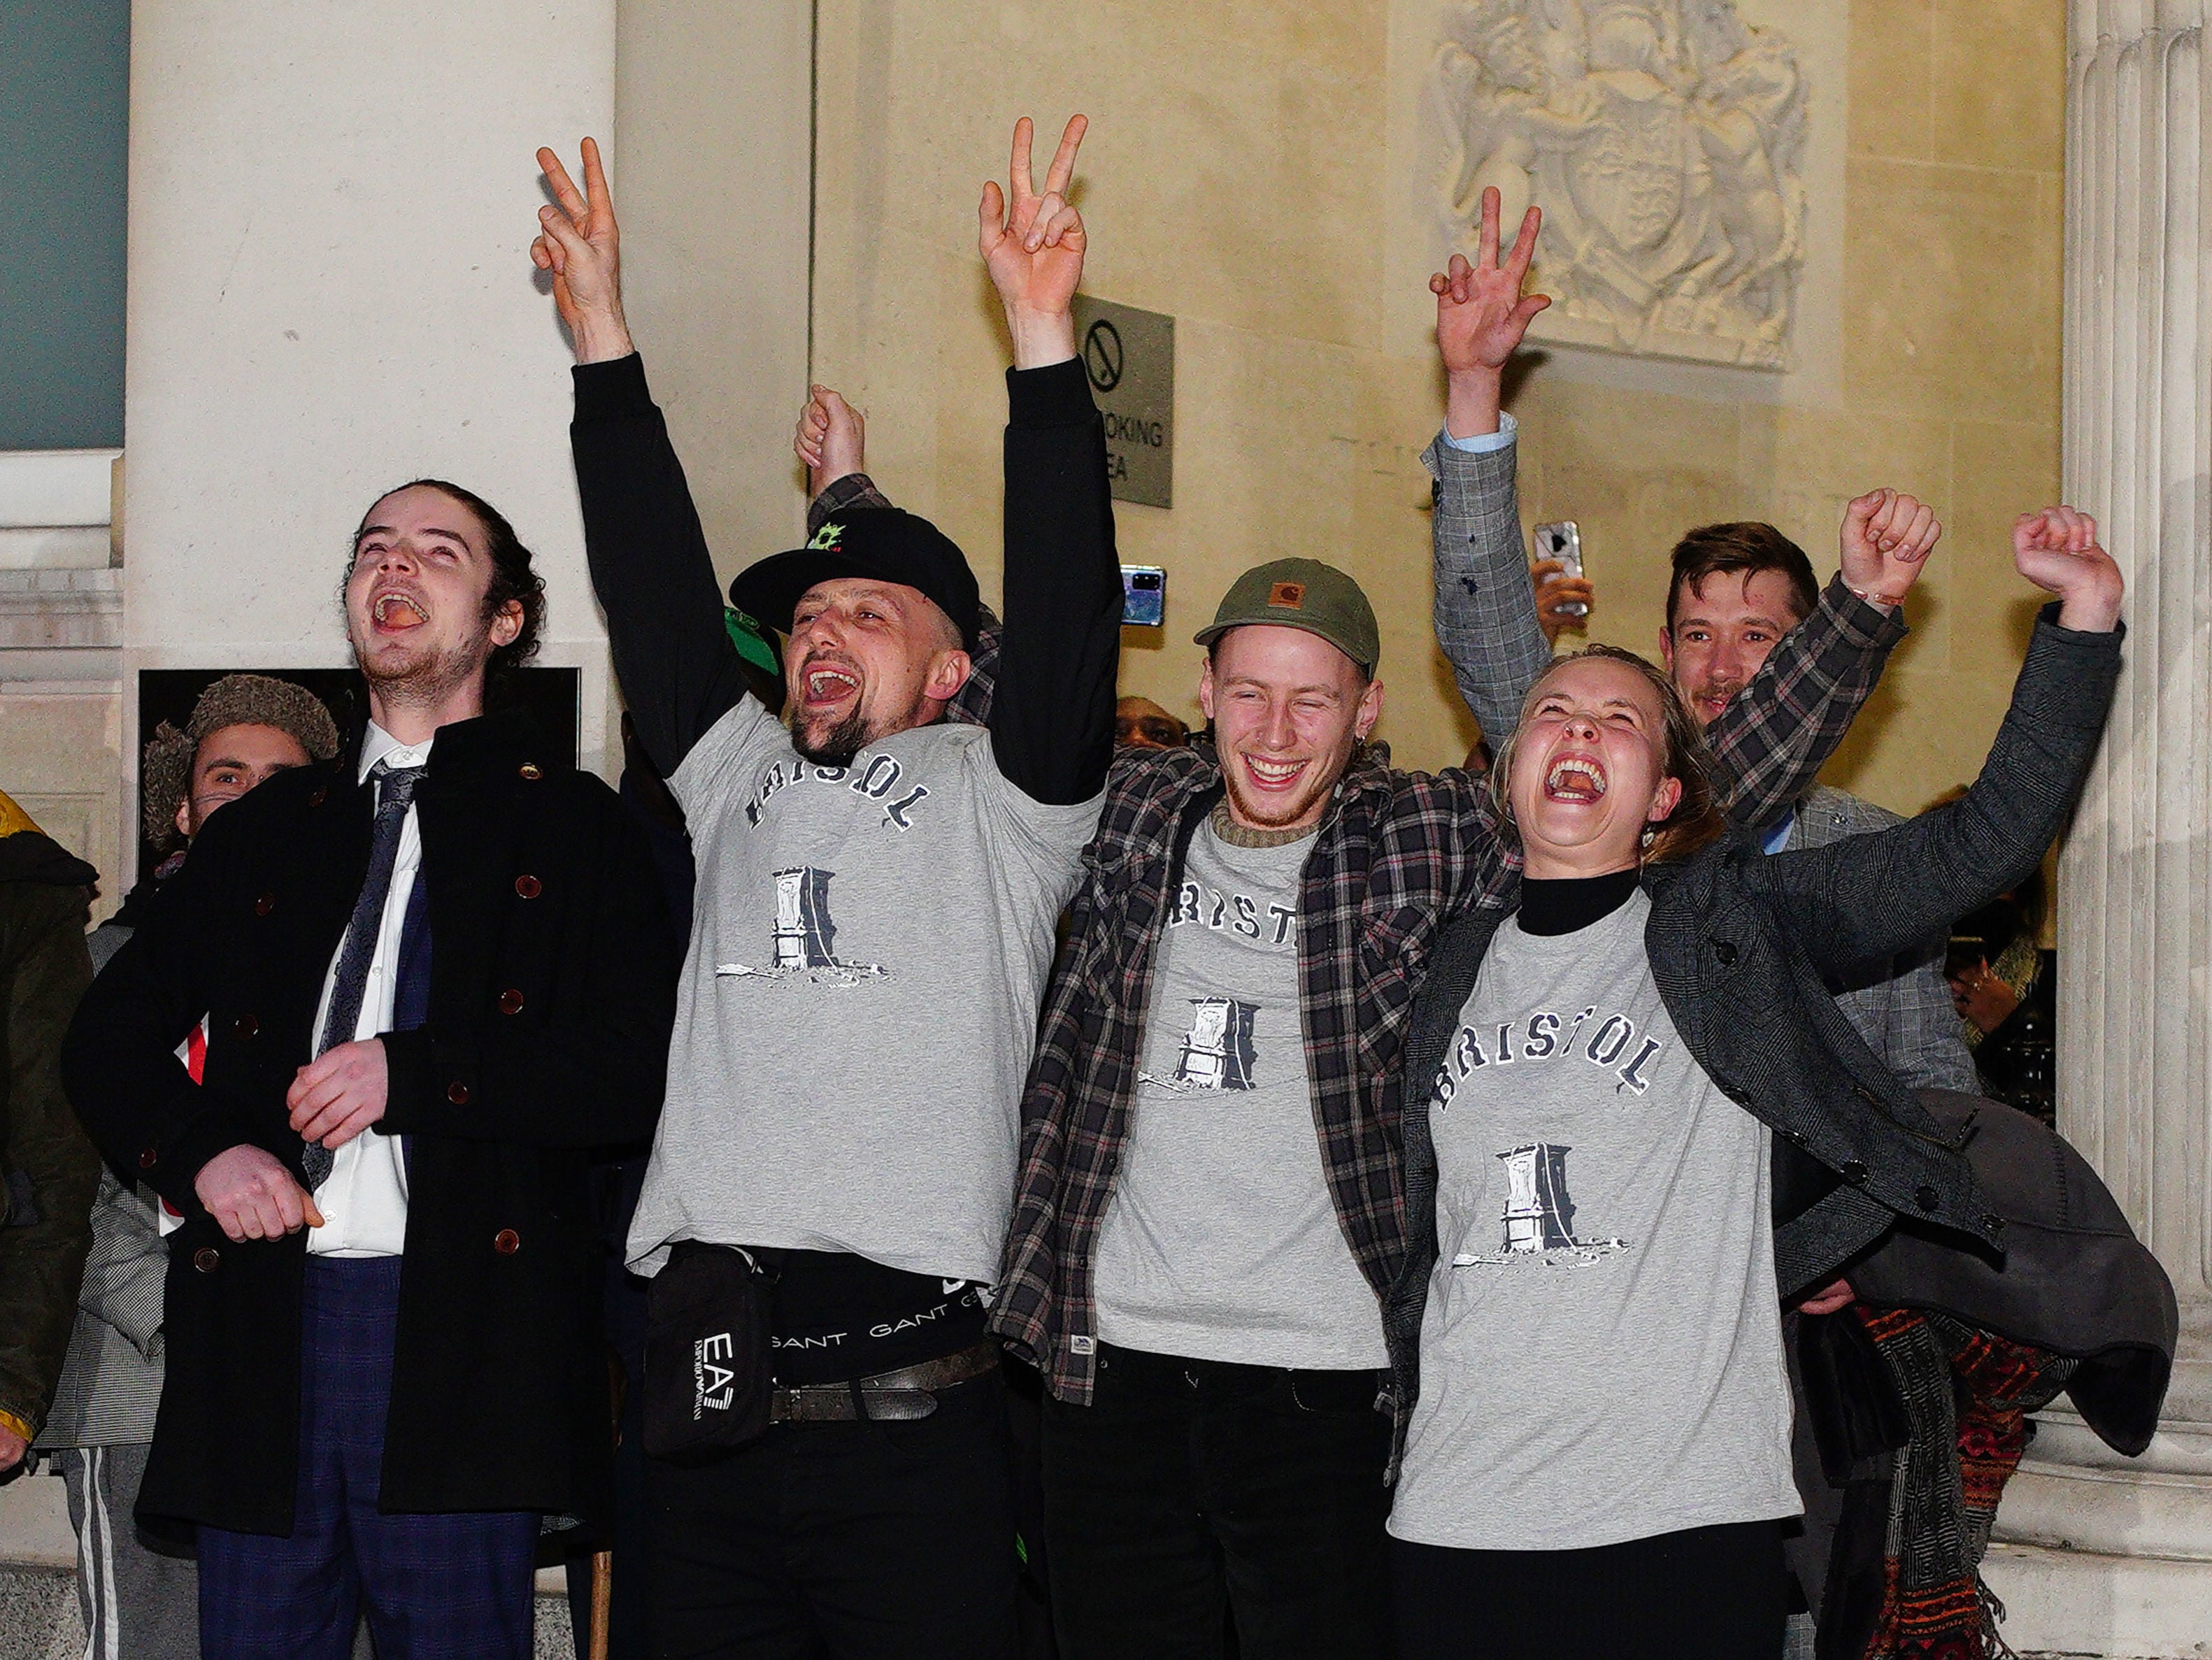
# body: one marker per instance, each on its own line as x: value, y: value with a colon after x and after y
x: 434, y: 1587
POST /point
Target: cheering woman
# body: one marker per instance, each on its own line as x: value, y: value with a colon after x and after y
x: 1636, y: 1125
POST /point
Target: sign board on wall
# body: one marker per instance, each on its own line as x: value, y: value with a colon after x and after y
x: 1130, y: 357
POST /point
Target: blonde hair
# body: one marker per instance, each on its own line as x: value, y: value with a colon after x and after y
x: 1697, y: 819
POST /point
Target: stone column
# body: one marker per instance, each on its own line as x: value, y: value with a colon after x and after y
x: 329, y: 293
x: 2115, y: 1555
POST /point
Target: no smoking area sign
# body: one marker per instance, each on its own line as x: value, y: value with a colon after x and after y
x: 1129, y: 356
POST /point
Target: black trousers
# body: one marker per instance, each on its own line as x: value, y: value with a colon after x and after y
x: 1716, y: 1593
x: 843, y: 1541
x: 1192, y: 1486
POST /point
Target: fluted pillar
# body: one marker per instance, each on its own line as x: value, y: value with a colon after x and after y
x: 2117, y: 1554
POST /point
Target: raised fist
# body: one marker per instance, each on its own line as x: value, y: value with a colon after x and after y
x: 2057, y: 551
x: 832, y: 439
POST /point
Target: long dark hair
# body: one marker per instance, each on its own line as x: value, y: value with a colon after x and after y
x: 1697, y: 818
x: 513, y: 578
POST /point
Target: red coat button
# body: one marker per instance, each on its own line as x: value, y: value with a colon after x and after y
x: 528, y: 887
x: 507, y: 1242
x: 457, y: 1093
x: 146, y: 1159
x: 245, y: 1026
x: 265, y: 904
x: 510, y: 1002
x: 207, y: 1259
x: 317, y: 796
x: 530, y: 771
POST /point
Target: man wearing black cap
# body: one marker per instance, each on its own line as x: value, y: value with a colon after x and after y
x: 877, y: 889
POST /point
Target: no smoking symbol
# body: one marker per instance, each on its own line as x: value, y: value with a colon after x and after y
x: 1102, y: 356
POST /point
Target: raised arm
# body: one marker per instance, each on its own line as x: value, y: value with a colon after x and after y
x: 1770, y: 742
x: 1052, y: 714
x: 1486, y: 607
x: 1868, y: 898
x: 650, y: 566
x: 831, y: 443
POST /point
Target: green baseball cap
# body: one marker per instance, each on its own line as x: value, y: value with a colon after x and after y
x: 1301, y: 593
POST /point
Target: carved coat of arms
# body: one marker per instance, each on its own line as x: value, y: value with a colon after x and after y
x: 1664, y: 140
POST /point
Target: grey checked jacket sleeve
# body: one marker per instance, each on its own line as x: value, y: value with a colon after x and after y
x: 1486, y: 608
x: 1768, y: 746
x: 1925, y: 1048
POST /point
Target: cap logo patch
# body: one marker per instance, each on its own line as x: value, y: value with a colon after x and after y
x: 828, y: 539
x: 1290, y: 595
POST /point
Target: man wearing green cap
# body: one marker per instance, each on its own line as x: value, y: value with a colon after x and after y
x: 1210, y: 1203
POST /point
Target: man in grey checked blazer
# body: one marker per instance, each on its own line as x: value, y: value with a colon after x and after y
x: 1737, y: 590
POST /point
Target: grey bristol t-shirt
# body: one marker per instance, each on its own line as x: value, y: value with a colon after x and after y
x: 869, y: 946
x: 1602, y: 1355
x: 1220, y: 1242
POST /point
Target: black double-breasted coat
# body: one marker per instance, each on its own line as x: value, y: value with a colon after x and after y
x: 552, y: 990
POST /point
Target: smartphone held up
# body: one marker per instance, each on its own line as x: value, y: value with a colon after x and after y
x: 1562, y: 540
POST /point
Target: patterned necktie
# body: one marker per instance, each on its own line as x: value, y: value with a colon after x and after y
x: 395, y: 789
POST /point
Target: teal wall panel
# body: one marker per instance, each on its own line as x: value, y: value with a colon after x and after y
x: 64, y: 126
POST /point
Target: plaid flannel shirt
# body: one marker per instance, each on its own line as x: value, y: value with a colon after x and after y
x: 1396, y: 856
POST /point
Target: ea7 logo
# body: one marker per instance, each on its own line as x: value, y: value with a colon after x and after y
x: 711, y: 1384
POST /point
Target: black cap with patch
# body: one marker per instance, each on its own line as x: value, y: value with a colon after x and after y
x: 884, y: 544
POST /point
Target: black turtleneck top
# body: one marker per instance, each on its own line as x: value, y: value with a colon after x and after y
x: 1563, y: 903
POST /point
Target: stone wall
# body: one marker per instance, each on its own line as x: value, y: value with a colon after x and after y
x: 1239, y: 174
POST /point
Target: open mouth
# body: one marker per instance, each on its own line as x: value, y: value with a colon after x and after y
x: 1713, y: 700
x: 1274, y: 775
x: 395, y: 611
x: 1576, y: 778
x: 826, y: 684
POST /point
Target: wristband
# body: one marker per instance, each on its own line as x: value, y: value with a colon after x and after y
x: 1893, y: 600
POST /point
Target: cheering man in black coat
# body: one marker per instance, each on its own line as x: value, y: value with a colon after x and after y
x: 429, y: 979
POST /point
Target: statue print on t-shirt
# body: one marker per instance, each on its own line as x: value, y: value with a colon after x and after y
x: 1219, y: 1053
x: 1536, y: 1222
x: 1218, y: 1050
x: 802, y: 943
x: 801, y: 939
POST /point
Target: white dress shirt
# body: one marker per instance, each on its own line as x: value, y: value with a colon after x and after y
x: 364, y: 1200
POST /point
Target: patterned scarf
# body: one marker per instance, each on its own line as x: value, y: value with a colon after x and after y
x: 1967, y: 1394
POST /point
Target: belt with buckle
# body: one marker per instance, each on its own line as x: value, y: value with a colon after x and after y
x: 895, y: 1396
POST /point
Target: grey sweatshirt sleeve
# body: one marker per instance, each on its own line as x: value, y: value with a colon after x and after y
x: 1486, y: 609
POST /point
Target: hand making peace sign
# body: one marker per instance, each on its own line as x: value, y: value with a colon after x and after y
x: 1034, y: 246
x: 1481, y: 316
x: 579, y: 244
